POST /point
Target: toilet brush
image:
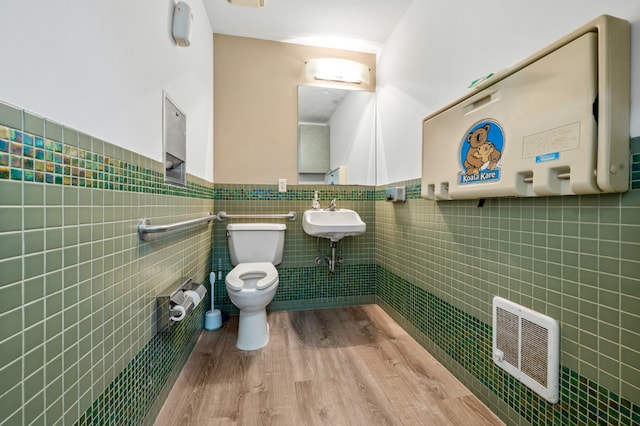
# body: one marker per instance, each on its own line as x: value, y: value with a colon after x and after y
x: 213, y: 318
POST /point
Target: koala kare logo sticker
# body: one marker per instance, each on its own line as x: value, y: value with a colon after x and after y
x: 480, y: 153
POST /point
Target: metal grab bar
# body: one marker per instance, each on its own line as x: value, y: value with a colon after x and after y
x: 145, y: 227
x: 221, y: 216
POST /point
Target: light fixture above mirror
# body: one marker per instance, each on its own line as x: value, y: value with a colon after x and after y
x: 338, y: 70
x: 247, y: 3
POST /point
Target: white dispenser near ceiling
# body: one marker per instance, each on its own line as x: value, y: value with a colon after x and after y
x: 182, y: 22
x: 555, y: 124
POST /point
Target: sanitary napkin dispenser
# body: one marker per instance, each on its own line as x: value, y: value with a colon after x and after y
x: 555, y: 124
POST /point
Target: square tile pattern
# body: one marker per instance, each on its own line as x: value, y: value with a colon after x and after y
x: 77, y: 288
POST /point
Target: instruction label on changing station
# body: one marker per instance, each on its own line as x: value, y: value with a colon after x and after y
x: 556, y: 140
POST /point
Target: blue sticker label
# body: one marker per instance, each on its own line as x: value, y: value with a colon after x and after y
x: 547, y: 157
x: 481, y: 153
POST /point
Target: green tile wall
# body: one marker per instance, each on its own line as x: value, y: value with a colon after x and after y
x: 576, y: 259
x: 303, y: 284
x: 313, y: 287
x: 137, y: 393
x: 77, y: 287
x: 462, y: 342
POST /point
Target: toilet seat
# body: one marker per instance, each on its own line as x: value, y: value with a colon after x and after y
x: 235, y: 278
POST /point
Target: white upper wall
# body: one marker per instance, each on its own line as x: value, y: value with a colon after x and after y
x: 439, y: 47
x: 353, y: 137
x: 100, y: 67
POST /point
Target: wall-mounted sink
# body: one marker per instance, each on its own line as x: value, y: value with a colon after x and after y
x: 332, y: 224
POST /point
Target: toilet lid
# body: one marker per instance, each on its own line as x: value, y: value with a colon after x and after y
x: 235, y: 278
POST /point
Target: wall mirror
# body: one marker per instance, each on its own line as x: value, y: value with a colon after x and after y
x: 336, y: 136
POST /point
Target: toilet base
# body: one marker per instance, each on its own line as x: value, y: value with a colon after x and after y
x: 253, y: 330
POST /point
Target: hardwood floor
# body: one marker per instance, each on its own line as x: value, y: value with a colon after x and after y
x: 346, y: 366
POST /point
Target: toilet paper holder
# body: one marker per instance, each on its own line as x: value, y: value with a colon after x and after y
x: 176, y: 302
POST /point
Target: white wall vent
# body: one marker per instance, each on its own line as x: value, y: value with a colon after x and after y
x: 526, y: 345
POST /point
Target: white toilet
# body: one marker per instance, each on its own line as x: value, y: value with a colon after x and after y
x: 254, y: 249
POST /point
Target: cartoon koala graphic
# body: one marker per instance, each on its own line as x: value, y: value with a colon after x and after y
x: 481, y: 151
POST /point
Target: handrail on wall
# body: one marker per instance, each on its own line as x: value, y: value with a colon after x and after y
x: 145, y: 227
x: 221, y: 216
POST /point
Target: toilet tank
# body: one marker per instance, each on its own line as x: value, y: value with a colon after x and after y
x: 256, y: 242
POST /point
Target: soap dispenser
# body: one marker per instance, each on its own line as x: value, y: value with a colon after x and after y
x: 316, y: 203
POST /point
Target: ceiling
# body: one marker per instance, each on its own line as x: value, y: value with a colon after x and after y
x: 360, y: 25
x: 317, y: 104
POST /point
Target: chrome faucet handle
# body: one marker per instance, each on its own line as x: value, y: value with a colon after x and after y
x: 332, y: 205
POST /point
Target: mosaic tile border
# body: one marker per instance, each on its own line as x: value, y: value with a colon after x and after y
x: 467, y: 341
x: 319, y: 283
x: 250, y: 192
x: 32, y: 158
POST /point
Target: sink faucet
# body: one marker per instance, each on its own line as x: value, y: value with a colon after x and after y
x: 332, y: 205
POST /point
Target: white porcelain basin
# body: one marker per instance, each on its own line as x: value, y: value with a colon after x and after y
x: 332, y: 224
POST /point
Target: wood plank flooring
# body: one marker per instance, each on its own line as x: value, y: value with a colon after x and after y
x: 345, y: 366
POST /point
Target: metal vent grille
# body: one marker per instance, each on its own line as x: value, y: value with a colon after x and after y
x: 526, y: 345
x: 535, y: 342
x: 507, y: 340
